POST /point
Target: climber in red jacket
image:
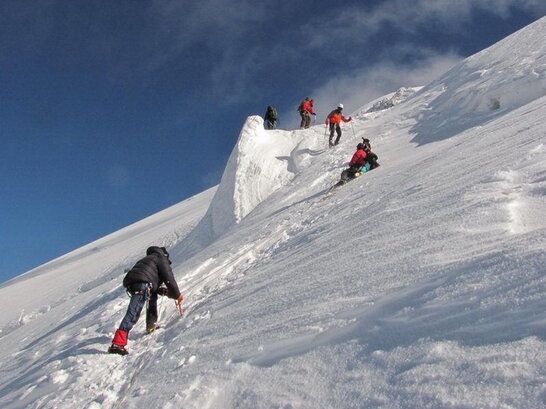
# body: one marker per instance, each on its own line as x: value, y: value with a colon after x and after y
x: 306, y: 109
x: 359, y: 158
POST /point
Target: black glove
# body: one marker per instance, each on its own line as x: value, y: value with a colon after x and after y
x: 163, y: 291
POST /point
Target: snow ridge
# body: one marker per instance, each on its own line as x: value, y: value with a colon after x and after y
x: 261, y: 162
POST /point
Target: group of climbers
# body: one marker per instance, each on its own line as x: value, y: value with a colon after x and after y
x: 307, y: 111
x: 363, y: 159
x: 152, y: 275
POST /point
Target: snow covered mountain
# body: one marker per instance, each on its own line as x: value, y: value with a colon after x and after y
x: 418, y: 285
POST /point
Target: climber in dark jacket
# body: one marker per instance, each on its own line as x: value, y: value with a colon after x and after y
x: 271, y: 117
x: 151, y: 276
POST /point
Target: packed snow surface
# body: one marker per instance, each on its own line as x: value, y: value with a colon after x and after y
x: 420, y: 284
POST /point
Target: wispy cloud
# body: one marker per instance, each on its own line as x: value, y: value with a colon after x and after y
x: 218, y: 26
x: 235, y: 42
x: 229, y: 27
x: 410, y: 16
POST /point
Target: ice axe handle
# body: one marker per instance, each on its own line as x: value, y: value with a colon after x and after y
x: 179, y: 306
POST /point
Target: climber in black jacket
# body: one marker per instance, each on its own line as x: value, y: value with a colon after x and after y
x: 144, y: 282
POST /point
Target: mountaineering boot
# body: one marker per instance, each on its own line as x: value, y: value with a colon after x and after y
x: 117, y: 349
x: 152, y: 328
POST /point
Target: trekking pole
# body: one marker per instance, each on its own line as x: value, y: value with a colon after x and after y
x: 353, y: 127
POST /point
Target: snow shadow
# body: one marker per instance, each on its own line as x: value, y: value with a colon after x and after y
x: 501, y: 78
x: 446, y: 307
x: 99, y: 302
x: 435, y: 127
x: 297, y: 157
x: 33, y: 376
x: 305, y: 200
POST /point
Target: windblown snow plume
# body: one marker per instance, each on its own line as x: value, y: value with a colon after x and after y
x: 391, y: 100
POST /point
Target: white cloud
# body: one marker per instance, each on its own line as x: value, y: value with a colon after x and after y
x: 348, y: 28
x: 229, y: 33
x: 361, y: 23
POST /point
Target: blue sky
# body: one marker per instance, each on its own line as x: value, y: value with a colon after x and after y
x: 113, y: 111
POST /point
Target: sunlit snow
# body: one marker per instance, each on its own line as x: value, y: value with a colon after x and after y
x: 420, y: 284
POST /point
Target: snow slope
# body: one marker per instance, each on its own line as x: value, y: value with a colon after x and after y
x: 419, y: 285
x: 56, y: 283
